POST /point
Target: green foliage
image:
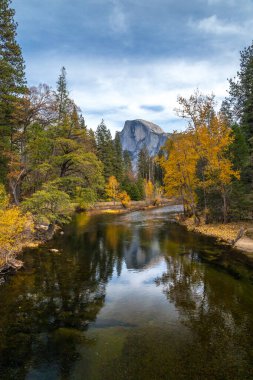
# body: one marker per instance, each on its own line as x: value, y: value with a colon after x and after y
x: 241, y: 202
x: 12, y: 83
x: 239, y: 149
x: 12, y: 75
x: 49, y: 205
x: 133, y: 189
x: 85, y: 198
x: 238, y: 108
x: 127, y: 165
x: 118, y: 158
x: 143, y: 165
x: 62, y: 96
x: 105, y: 149
x: 240, y: 101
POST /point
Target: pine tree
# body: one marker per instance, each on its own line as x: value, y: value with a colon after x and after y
x: 118, y: 159
x: 105, y: 149
x: 143, y: 164
x: 238, y: 108
x: 240, y: 101
x: 62, y: 95
x: 12, y: 83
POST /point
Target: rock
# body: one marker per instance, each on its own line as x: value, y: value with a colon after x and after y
x: 15, y: 264
x: 42, y: 227
x: 53, y: 250
x: 137, y: 134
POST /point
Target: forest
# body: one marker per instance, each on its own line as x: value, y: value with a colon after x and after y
x: 52, y: 163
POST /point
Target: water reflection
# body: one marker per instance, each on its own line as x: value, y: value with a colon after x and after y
x: 217, y: 312
x: 128, y: 297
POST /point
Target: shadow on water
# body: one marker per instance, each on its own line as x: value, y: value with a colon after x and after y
x: 128, y: 297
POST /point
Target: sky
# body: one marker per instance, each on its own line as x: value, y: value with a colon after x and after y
x: 131, y: 59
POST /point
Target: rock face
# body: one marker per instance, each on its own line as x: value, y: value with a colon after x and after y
x: 139, y: 133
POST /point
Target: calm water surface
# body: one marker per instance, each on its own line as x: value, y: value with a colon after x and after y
x: 128, y: 297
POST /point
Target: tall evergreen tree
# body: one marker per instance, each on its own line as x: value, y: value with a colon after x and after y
x: 240, y: 101
x: 105, y: 149
x: 118, y: 159
x: 238, y: 108
x: 127, y: 164
x: 12, y: 83
x: 143, y: 164
x: 62, y: 95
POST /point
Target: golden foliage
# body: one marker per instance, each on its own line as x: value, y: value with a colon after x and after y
x: 148, y: 190
x: 112, y: 188
x: 180, y: 168
x: 124, y: 199
x: 214, y: 140
x: 14, y: 228
x: 198, y: 158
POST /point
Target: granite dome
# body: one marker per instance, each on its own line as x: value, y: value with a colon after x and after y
x: 137, y: 134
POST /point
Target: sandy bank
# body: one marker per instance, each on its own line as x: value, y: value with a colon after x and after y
x: 227, y: 233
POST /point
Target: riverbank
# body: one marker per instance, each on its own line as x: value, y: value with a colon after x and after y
x: 238, y: 235
x: 31, y: 237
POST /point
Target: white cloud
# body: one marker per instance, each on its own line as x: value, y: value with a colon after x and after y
x: 214, y: 25
x: 116, y: 90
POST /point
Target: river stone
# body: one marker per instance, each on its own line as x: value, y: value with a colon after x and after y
x: 53, y: 250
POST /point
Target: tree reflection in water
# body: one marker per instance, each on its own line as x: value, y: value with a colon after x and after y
x: 46, y: 309
x: 217, y: 316
x: 64, y: 309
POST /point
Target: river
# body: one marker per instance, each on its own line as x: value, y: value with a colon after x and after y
x: 132, y: 296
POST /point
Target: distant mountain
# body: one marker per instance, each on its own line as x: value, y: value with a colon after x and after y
x: 139, y: 133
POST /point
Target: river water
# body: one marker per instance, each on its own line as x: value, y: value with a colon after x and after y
x: 130, y: 296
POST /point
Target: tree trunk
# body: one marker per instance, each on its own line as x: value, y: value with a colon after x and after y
x: 225, y: 207
x: 15, y: 194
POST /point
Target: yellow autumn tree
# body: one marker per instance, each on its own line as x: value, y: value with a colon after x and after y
x: 14, y: 227
x: 124, y: 199
x: 148, y: 190
x: 198, y: 159
x: 215, y: 140
x: 180, y: 179
x: 112, y: 189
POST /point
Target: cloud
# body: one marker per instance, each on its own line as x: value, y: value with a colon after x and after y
x: 214, y: 25
x: 153, y: 108
x: 120, y: 90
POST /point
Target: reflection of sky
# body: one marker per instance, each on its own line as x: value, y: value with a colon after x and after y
x: 134, y: 297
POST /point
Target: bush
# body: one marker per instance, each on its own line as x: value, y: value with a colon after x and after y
x: 49, y: 206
